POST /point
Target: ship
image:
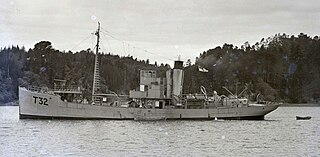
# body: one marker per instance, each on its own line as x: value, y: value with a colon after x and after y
x: 155, y: 99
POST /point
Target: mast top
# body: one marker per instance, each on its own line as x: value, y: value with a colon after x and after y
x: 98, y: 30
x: 98, y: 38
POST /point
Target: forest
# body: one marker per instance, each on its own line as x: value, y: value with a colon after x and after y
x: 278, y: 68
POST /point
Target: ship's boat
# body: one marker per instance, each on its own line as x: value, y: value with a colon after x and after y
x: 156, y: 99
x: 303, y: 117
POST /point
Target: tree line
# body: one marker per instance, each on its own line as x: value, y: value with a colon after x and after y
x: 278, y: 68
x: 42, y: 64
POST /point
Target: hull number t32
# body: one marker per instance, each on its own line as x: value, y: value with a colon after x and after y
x: 40, y: 100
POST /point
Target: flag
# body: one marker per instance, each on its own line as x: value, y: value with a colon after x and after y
x: 202, y: 69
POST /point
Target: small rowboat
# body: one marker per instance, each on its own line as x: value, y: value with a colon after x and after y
x: 303, y: 118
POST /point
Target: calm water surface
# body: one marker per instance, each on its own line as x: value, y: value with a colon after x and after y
x: 279, y: 135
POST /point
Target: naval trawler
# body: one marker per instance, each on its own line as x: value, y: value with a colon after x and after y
x: 156, y: 99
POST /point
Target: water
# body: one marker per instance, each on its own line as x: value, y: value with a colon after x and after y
x: 279, y: 135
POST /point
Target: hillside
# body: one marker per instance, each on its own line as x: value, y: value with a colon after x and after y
x: 281, y: 67
x: 42, y: 64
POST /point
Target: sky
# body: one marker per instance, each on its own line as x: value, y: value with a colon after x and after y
x: 159, y: 30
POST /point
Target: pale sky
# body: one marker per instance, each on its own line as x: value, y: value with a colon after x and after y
x: 167, y: 27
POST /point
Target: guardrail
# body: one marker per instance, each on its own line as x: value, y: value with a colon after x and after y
x: 38, y: 89
x: 67, y: 89
x: 63, y: 88
x: 48, y: 90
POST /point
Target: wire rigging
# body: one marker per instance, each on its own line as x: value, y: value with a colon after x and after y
x: 102, y: 46
x: 124, y: 49
x: 86, y: 38
x: 105, y: 38
x: 134, y: 47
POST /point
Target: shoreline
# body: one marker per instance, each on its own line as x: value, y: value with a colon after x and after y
x: 300, y: 105
x: 14, y: 103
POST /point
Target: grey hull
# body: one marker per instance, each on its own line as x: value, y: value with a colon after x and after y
x: 55, y: 108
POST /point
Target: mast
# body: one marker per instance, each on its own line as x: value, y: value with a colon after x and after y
x: 96, y: 75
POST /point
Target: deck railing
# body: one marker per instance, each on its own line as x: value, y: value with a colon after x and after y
x: 48, y: 90
x: 38, y: 89
x: 71, y: 88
